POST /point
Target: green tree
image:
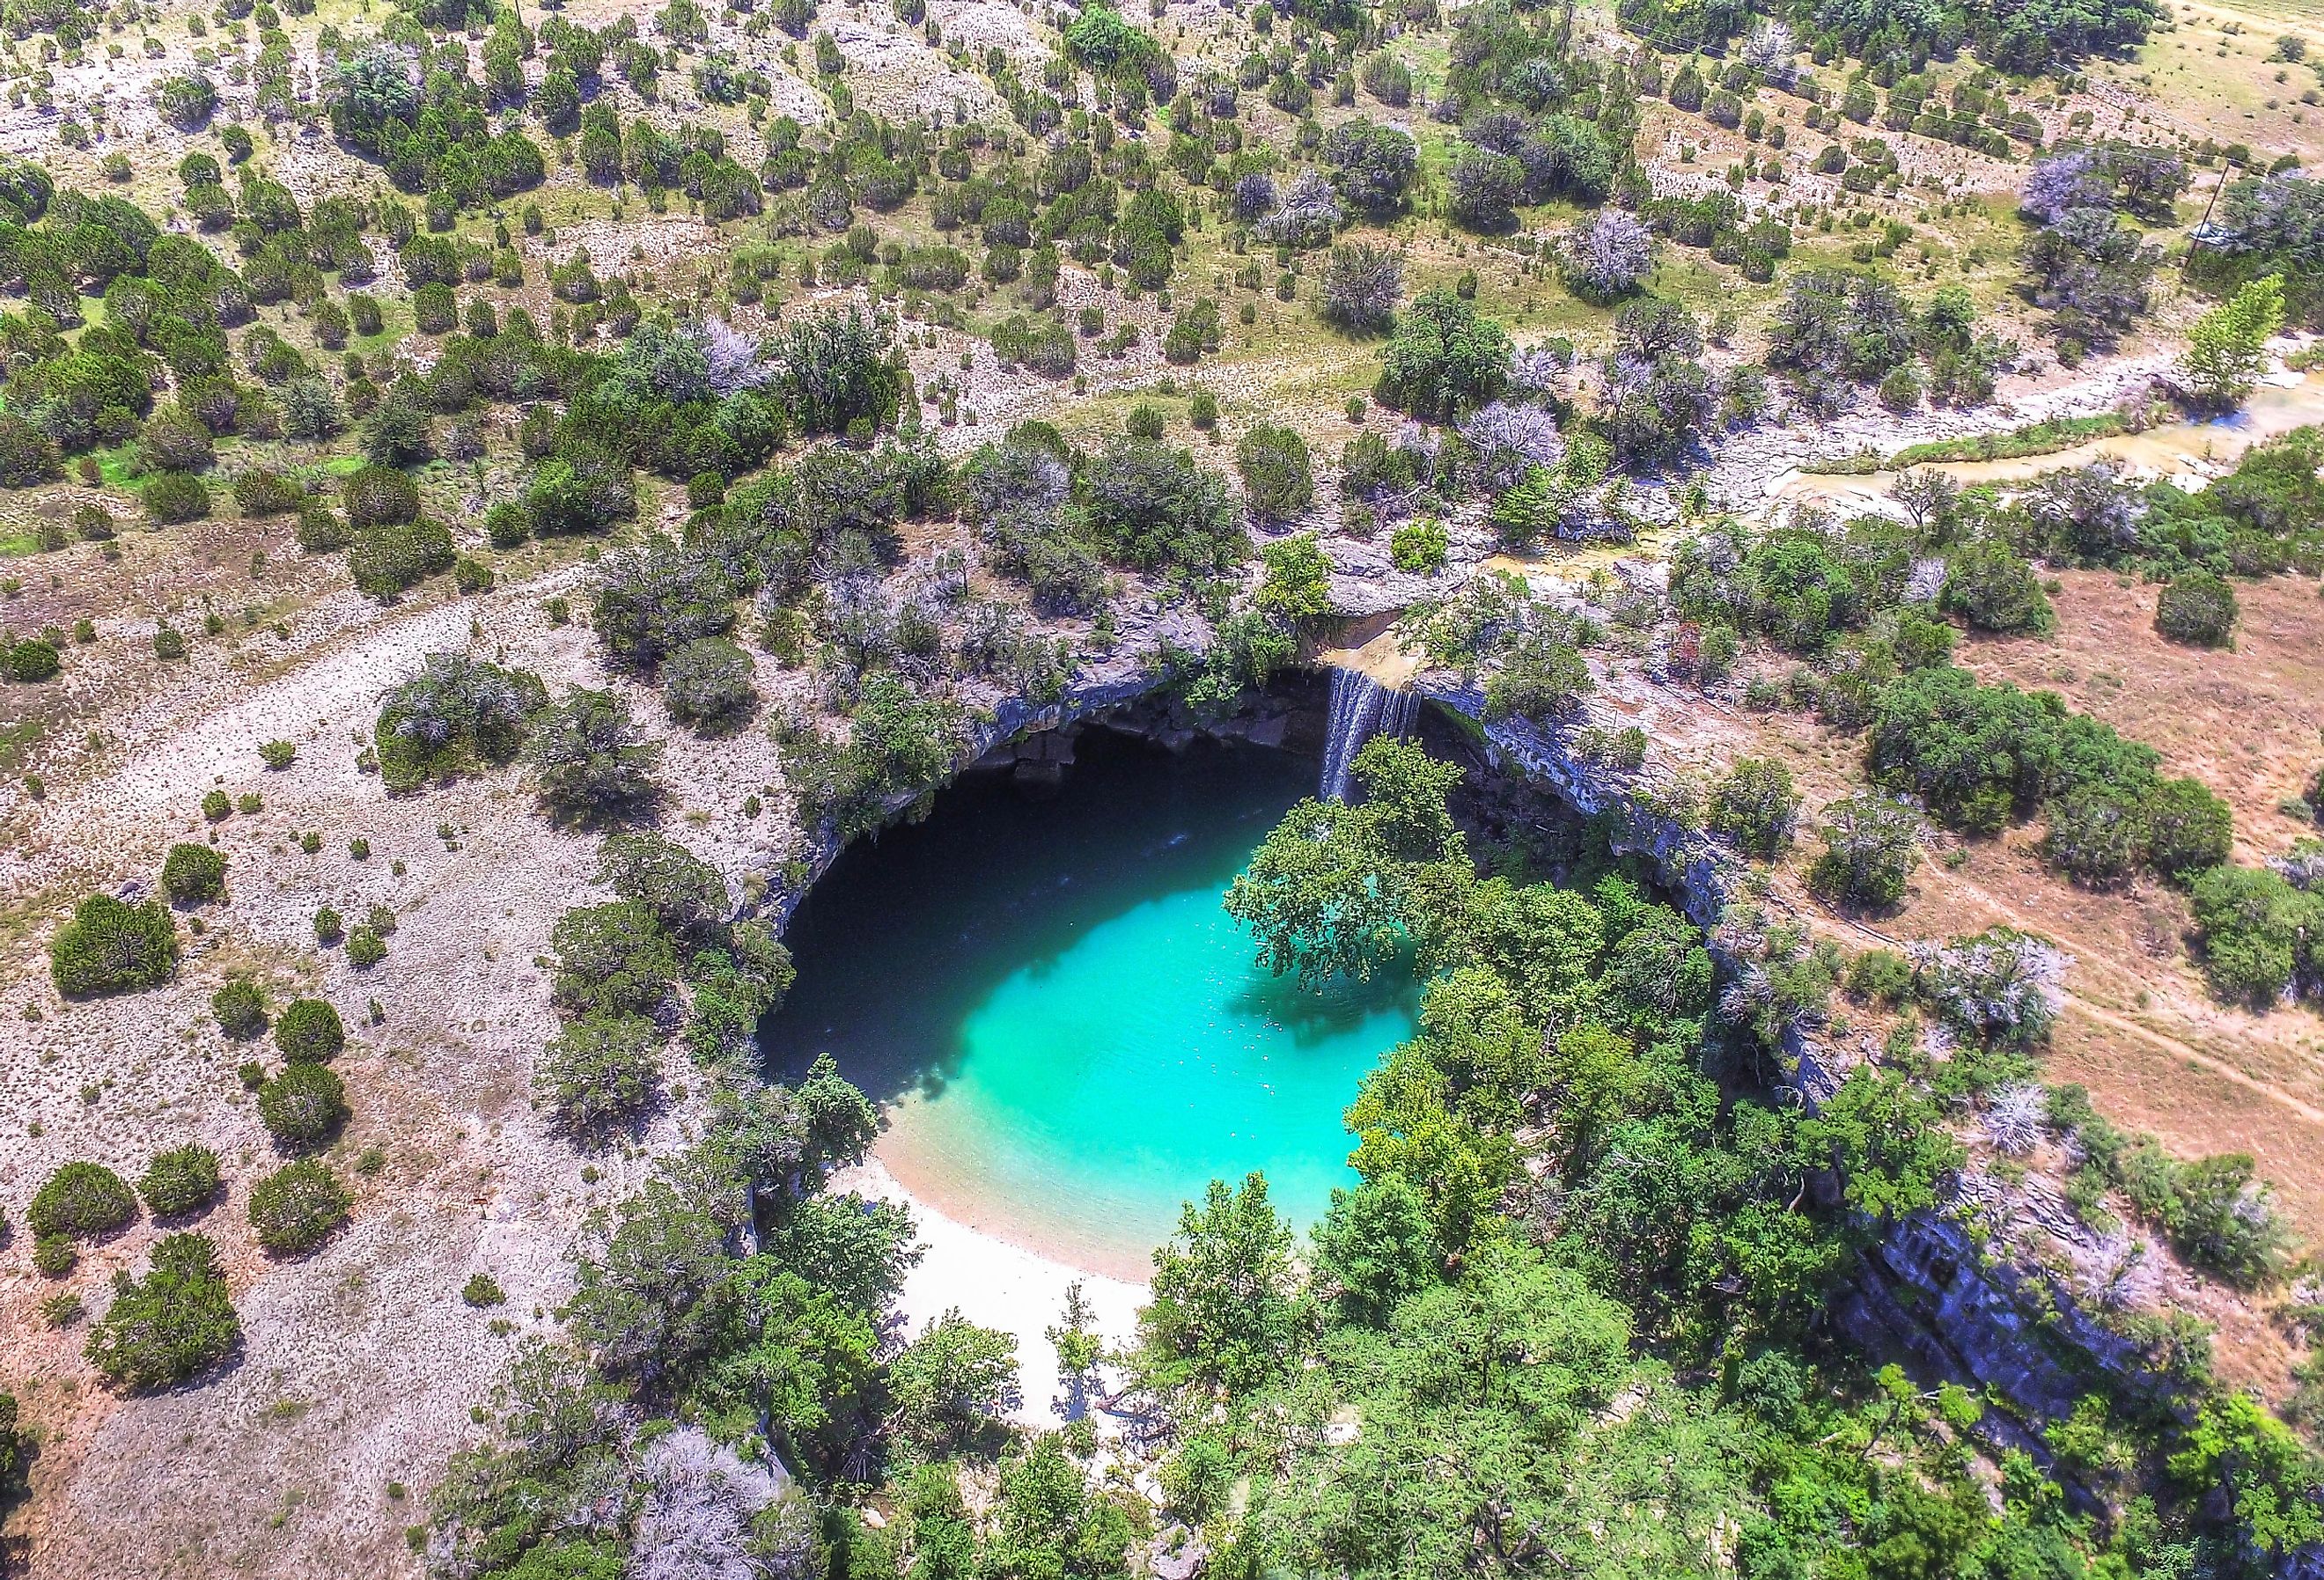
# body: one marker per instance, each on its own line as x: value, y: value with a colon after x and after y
x: 1049, y: 1524
x: 1338, y: 890
x: 2225, y: 350
x: 1376, y: 1244
x: 1444, y: 359
x: 1277, y: 482
x: 952, y: 1385
x: 1227, y: 1311
x: 113, y: 946
x: 175, y: 1323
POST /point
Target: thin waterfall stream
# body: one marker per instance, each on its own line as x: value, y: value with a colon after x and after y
x: 1361, y: 707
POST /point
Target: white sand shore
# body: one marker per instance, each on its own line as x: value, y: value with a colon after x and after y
x: 997, y: 1285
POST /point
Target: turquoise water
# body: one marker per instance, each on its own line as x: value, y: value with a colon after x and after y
x: 1069, y: 1033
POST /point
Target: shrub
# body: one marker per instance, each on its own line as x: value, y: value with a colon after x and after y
x: 1040, y: 341
x: 579, y: 489
x: 180, y: 1181
x: 80, y: 1201
x: 455, y: 715
x: 611, y: 959
x: 296, y: 1209
x: 259, y: 494
x: 392, y: 559
x: 30, y: 660
x: 1993, y: 589
x: 327, y: 926
x: 1273, y: 463
x: 110, y: 946
x: 2258, y: 932
x: 1361, y: 286
x: 365, y: 947
x: 1153, y: 508
x: 379, y: 496
x: 1756, y: 806
x: 707, y: 685
x: 176, y: 496
x: 1539, y: 677
x: 2198, y: 608
x: 483, y: 1289
x: 2188, y: 827
x: 308, y: 1030
x: 240, y: 1009
x: 589, y: 759
x: 600, y: 1072
x: 1880, y: 976
x: 1871, y: 846
x: 192, y: 873
x: 2096, y: 836
x: 304, y: 1106
x: 278, y: 755
x: 175, y: 1323
x: 1419, y: 546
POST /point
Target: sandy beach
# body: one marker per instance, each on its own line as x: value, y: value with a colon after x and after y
x: 999, y: 1285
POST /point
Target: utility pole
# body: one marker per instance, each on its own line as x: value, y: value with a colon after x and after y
x: 2226, y: 168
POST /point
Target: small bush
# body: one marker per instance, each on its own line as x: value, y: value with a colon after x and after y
x: 278, y: 755
x: 180, y: 1181
x: 80, y: 1201
x: 1756, y: 807
x: 296, y: 1209
x: 175, y: 1323
x: 483, y: 1289
x: 1872, y: 845
x: 1278, y: 484
x: 28, y: 661
x: 110, y: 946
x: 310, y: 1031
x: 240, y: 1009
x: 707, y: 685
x: 391, y: 560
x: 365, y: 947
x: 1880, y: 976
x: 328, y: 928
x: 169, y: 643
x: 2200, y: 609
x: 176, y: 496
x: 304, y: 1106
x: 1418, y: 546
x: 53, y: 1255
x: 193, y: 873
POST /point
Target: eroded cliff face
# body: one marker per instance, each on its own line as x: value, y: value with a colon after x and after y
x: 2004, y: 1289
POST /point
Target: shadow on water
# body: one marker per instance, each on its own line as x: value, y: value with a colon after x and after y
x: 902, y: 938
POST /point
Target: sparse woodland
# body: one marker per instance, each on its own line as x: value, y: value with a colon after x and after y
x: 494, y: 497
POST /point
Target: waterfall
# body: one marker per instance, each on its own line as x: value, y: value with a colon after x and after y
x: 1361, y: 707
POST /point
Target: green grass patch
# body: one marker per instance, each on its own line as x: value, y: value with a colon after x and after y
x: 16, y: 543
x: 2042, y: 438
x: 1862, y: 464
x: 15, y: 739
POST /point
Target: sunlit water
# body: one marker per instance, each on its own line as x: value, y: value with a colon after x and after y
x: 1070, y: 1033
